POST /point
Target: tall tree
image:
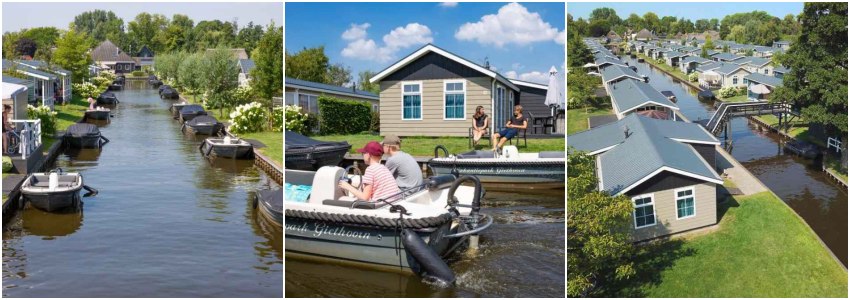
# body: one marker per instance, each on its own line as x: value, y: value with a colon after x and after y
x: 72, y: 54
x: 100, y: 25
x: 605, y: 14
x: 577, y: 52
x: 44, y: 37
x: 220, y: 77
x: 652, y: 22
x: 267, y: 75
x: 249, y: 36
x: 634, y: 22
x: 817, y: 82
x: 142, y: 31
x: 600, y: 247
x: 190, y: 72
x: 176, y: 35
x: 338, y: 74
x: 10, y: 40
x: 25, y: 46
x: 308, y: 64
x: 212, y: 34
x: 364, y: 84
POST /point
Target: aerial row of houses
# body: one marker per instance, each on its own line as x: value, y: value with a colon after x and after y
x: 665, y: 166
x: 720, y: 69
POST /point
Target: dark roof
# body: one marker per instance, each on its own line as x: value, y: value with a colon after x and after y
x: 16, y: 80
x: 696, y: 59
x: 296, y: 83
x: 756, y: 61
x: 652, y: 144
x: 729, y: 68
x: 629, y: 94
x: 613, y: 72
x: 245, y: 65
x: 145, y: 52
x: 107, y: 51
x: 781, y: 69
x: 644, y: 34
x: 727, y: 56
x: 30, y: 71
x: 767, y: 80
x: 36, y: 64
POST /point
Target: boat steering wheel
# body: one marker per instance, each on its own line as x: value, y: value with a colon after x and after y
x: 357, y: 172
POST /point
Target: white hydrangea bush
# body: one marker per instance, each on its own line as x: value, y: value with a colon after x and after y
x: 246, y: 118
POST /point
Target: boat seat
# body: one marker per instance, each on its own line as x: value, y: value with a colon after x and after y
x: 326, y: 184
x: 476, y: 154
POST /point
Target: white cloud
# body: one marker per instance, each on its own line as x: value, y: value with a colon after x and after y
x: 511, y: 74
x: 513, y: 24
x: 533, y: 76
x: 517, y: 66
x: 561, y: 38
x: 356, y: 32
x: 448, y: 4
x: 360, y: 47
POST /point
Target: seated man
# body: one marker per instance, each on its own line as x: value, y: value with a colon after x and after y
x: 512, y: 127
x: 378, y: 182
x: 403, y: 166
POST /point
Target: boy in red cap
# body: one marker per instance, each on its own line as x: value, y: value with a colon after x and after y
x: 378, y: 181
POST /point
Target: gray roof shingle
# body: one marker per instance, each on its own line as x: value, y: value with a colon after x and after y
x: 727, y: 56
x: 630, y: 94
x: 614, y: 71
x: 294, y: 83
x: 652, y: 144
x: 107, y: 51
x: 246, y: 65
x: 761, y: 78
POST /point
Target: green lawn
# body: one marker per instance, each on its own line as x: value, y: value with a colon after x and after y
x: 799, y: 128
x: 739, y: 98
x: 70, y: 113
x: 424, y: 146
x: 577, y: 118
x: 273, y: 141
x: 761, y: 249
x: 676, y: 72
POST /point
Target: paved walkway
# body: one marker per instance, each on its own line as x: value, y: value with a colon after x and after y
x: 9, y: 182
x: 743, y: 179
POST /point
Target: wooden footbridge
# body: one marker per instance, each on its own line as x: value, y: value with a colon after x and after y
x: 727, y: 110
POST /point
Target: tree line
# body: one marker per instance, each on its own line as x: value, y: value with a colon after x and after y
x: 157, y: 31
x: 312, y: 64
x: 756, y: 27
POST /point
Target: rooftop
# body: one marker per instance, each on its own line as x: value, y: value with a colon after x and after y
x: 630, y: 94
x: 298, y: 83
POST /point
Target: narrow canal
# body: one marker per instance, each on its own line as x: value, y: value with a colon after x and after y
x: 521, y: 255
x: 166, y: 223
x: 797, y: 181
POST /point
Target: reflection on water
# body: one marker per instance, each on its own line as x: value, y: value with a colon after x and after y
x: 166, y: 223
x: 797, y: 181
x: 521, y: 255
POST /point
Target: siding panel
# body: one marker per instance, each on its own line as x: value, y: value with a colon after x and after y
x: 705, y: 206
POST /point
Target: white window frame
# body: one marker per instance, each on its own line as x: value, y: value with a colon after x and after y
x: 446, y: 92
x: 676, y: 200
x: 651, y: 202
x: 421, y: 99
x: 298, y: 100
x: 735, y: 80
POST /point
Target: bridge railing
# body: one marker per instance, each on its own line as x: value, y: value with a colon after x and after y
x: 747, y: 108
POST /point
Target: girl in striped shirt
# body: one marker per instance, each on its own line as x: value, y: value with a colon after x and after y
x: 378, y: 181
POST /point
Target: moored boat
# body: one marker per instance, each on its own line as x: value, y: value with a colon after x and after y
x: 99, y: 113
x: 176, y: 107
x: 304, y: 153
x: 203, y: 125
x: 107, y: 98
x: 189, y: 112
x: 270, y: 205
x: 226, y: 147
x: 412, y: 231
x: 509, y: 169
x: 52, y: 191
x: 169, y: 93
x: 84, y: 135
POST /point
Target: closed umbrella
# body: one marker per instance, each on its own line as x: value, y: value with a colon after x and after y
x: 711, y: 76
x: 554, y: 96
x: 589, y: 65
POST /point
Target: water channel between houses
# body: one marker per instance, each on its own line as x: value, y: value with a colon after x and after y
x: 797, y: 181
x: 166, y: 223
x: 521, y: 255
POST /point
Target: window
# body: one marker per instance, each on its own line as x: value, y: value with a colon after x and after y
x: 290, y: 99
x: 685, y: 206
x: 454, y: 105
x: 765, y: 71
x: 644, y: 211
x: 308, y: 103
x: 411, y: 101
x: 734, y: 79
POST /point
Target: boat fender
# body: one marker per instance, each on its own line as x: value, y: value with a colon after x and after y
x: 427, y: 261
x: 440, y: 182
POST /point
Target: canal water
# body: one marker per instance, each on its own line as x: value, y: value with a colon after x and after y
x: 166, y: 223
x: 797, y: 181
x: 520, y: 255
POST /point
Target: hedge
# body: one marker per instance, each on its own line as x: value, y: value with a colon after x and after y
x: 337, y: 116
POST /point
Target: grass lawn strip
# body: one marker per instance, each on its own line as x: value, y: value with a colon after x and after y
x: 424, y: 146
x: 272, y: 140
x: 577, y: 118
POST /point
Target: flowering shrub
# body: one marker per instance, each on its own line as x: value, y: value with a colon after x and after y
x: 7, y: 164
x: 251, y: 117
x: 693, y: 77
x: 108, y: 75
x: 86, y: 90
x: 277, y: 119
x: 47, y: 117
x: 101, y: 82
x: 243, y: 95
x: 297, y: 121
x: 727, y: 92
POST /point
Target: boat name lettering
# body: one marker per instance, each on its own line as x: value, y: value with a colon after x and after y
x: 319, y: 229
x: 490, y: 171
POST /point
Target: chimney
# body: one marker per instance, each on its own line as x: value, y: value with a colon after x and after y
x: 626, y: 131
x: 487, y: 63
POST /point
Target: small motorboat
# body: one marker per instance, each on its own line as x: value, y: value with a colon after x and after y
x: 507, y: 170
x: 53, y: 191
x: 169, y: 93
x: 226, y: 147
x: 189, y: 112
x: 84, y: 135
x: 115, y: 87
x: 203, y: 125
x: 705, y: 95
x: 176, y: 107
x: 800, y: 148
x: 162, y: 88
x: 413, y: 230
x: 270, y: 205
x: 304, y: 153
x: 99, y: 113
x: 155, y: 82
x: 107, y: 98
x: 640, y: 60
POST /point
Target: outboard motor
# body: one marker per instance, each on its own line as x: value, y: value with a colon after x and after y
x: 427, y: 261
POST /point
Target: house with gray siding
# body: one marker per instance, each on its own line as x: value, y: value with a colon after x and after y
x: 45, y: 83
x: 632, y: 96
x: 433, y: 92
x: 305, y: 94
x: 62, y: 88
x: 690, y: 63
x: 666, y: 168
x: 755, y: 79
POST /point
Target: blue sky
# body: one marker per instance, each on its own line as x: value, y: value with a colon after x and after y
x: 19, y: 15
x: 688, y: 10
x: 524, y: 49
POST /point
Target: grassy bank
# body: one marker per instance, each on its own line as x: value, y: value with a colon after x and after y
x: 424, y: 146
x: 70, y: 113
x: 675, y: 71
x: 799, y: 128
x: 739, y: 98
x: 761, y: 249
x: 577, y: 118
x: 273, y: 142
